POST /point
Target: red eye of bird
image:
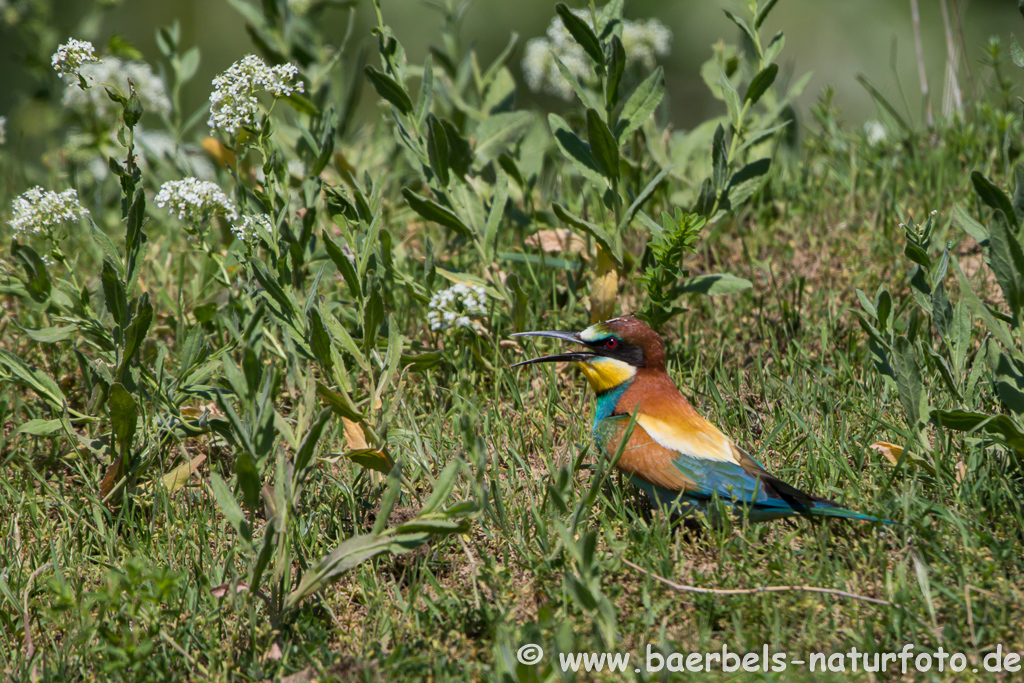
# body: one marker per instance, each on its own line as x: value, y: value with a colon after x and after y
x: 611, y: 343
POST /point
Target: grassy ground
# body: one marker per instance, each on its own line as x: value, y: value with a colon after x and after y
x: 150, y: 583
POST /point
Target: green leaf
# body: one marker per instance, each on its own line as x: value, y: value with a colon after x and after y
x: 972, y: 227
x: 966, y: 421
x: 582, y: 32
x: 442, y: 487
x: 137, y: 330
x: 616, y: 65
x: 388, y: 88
x: 762, y: 13
x: 494, y: 135
x: 39, y: 427
x: 979, y: 309
x: 909, y: 383
x: 1016, y: 54
x: 714, y: 285
x: 577, y: 151
x: 1009, y: 383
x: 760, y: 83
x: 1018, y: 192
x: 600, y: 236
x: 751, y: 36
x: 229, y: 508
x: 37, y: 280
x: 644, y: 195
x: 344, y: 265
x: 307, y: 449
x: 729, y: 94
x: 36, y: 380
x: 319, y: 339
x: 994, y: 197
x: 574, y: 83
x: 1006, y: 258
x: 392, y: 490
x: 124, y: 417
x: 603, y: 145
x: 432, y: 211
x: 641, y: 104
x: 719, y: 158
x: 884, y: 103
x: 437, y: 149
x: 339, y: 402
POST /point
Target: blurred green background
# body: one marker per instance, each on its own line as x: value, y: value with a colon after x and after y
x: 835, y: 40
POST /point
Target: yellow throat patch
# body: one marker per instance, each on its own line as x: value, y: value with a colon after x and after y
x: 606, y: 373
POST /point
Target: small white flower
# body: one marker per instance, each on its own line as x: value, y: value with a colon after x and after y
x: 37, y: 209
x: 151, y: 89
x: 875, y: 132
x: 456, y: 307
x: 70, y: 57
x: 642, y: 42
x: 233, y: 102
x: 246, y: 230
x: 195, y: 200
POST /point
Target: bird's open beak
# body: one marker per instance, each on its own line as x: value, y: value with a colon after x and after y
x: 574, y: 337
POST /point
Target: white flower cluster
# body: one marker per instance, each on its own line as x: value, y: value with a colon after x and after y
x: 642, y: 41
x: 246, y: 230
x: 233, y: 103
x: 195, y: 200
x: 70, y: 57
x: 457, y: 306
x: 37, y: 209
x: 875, y: 132
x: 151, y: 89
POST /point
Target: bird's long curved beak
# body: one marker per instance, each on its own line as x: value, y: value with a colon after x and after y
x: 574, y: 337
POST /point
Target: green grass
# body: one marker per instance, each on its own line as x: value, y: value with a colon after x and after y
x: 133, y: 587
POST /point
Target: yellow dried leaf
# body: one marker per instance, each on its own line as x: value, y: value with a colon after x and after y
x: 604, y: 289
x: 891, y: 451
x: 355, y: 439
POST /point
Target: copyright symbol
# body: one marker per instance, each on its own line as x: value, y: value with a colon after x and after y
x: 530, y: 654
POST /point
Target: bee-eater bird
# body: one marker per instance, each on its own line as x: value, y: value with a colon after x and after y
x: 676, y: 456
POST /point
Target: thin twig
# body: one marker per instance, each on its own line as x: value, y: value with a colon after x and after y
x: 758, y: 589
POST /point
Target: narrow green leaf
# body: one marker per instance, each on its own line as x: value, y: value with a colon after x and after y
x: 603, y: 145
x: 994, y: 197
x: 616, y: 65
x: 884, y: 103
x: 641, y: 104
x: 388, y: 88
x: 595, y: 231
x: 760, y: 83
x: 979, y: 309
x: 576, y: 150
x: 714, y: 285
x: 124, y: 417
x: 392, y: 490
x: 582, y: 32
x: 229, y: 508
x: 719, y: 159
x: 37, y: 281
x: 739, y: 21
x: 344, y: 265
x: 339, y: 402
x: 437, y: 149
x: 432, y: 211
x: 729, y: 94
x: 307, y: 449
x: 1006, y: 258
x: 644, y: 195
x: 38, y: 427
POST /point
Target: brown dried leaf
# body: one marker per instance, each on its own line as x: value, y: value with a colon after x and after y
x: 222, y: 590
x: 557, y: 241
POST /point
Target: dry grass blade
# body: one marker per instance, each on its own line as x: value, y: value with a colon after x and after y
x: 760, y: 589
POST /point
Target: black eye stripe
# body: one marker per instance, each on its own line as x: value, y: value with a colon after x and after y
x: 614, y: 347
